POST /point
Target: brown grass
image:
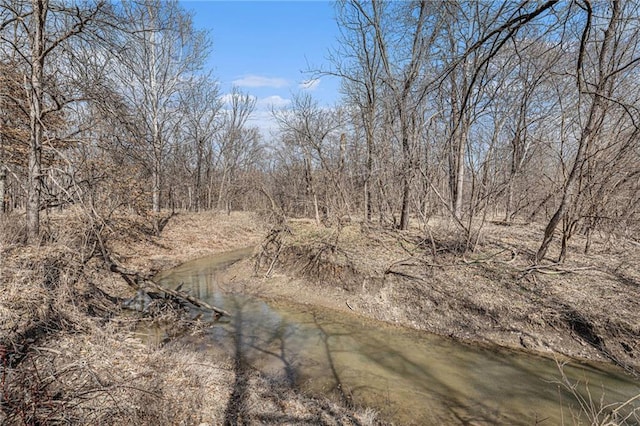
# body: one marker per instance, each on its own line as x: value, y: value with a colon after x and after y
x: 186, y: 237
x: 68, y: 353
x: 584, y: 308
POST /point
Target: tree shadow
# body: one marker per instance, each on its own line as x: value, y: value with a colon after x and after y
x: 236, y: 407
x: 356, y: 365
x: 253, y: 342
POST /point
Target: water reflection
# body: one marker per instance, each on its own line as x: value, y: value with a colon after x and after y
x: 411, y: 377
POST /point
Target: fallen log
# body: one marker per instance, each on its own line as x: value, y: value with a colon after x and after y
x: 137, y: 282
x: 184, y: 296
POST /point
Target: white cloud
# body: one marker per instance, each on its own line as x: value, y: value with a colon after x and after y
x: 264, y: 121
x: 311, y: 84
x: 260, y: 81
x: 274, y: 101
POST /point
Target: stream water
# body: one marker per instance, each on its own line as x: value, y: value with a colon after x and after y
x: 409, y: 377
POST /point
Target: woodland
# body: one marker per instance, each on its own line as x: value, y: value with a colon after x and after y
x: 465, y: 130
x: 471, y: 110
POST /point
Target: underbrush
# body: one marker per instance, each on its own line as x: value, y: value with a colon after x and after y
x: 69, y: 354
x: 585, y: 307
x: 108, y: 377
x: 59, y: 333
x: 585, y: 407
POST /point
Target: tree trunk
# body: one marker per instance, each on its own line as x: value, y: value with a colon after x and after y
x: 311, y: 189
x: 198, y: 183
x: 404, y: 214
x: 157, y: 181
x: 509, y: 203
x: 34, y: 183
x: 3, y: 181
x: 567, y: 193
x: 3, y: 177
x: 369, y: 170
x: 459, y: 180
x: 590, y: 129
x: 222, y: 188
x: 406, y: 177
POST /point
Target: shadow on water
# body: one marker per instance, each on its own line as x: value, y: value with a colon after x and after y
x: 408, y: 376
x: 252, y: 343
x: 236, y: 404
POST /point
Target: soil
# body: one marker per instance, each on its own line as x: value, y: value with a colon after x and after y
x: 587, y: 307
x: 60, y: 315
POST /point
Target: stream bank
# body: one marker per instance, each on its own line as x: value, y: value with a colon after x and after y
x: 69, y: 353
x: 408, y: 376
x: 586, y: 308
x: 61, y: 315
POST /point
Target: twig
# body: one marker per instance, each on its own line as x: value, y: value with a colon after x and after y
x: 273, y: 262
x: 133, y: 279
x: 550, y: 270
x: 42, y: 348
x: 487, y: 259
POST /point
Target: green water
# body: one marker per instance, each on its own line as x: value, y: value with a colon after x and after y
x: 409, y: 377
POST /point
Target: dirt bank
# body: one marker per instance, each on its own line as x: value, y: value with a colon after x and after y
x: 69, y: 352
x: 585, y: 308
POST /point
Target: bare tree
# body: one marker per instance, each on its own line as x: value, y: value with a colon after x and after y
x: 403, y: 62
x: 43, y: 32
x: 200, y: 109
x: 595, y: 82
x: 307, y: 127
x: 358, y: 63
x: 232, y: 139
x: 163, y: 50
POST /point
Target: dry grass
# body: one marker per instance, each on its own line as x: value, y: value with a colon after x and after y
x: 186, y: 236
x: 585, y: 308
x: 596, y: 412
x: 68, y: 353
x: 108, y: 377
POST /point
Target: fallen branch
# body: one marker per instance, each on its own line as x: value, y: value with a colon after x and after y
x: 551, y: 270
x: 134, y: 279
x: 559, y: 271
x: 182, y: 295
x: 402, y: 274
x: 137, y: 282
x: 490, y: 258
x: 273, y: 262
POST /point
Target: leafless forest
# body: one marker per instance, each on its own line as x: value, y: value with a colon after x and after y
x: 513, y: 111
x: 456, y: 117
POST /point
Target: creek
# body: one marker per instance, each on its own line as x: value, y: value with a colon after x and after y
x: 408, y: 376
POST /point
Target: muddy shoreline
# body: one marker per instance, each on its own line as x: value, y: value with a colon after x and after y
x: 61, y: 314
x: 587, y: 313
x: 585, y: 309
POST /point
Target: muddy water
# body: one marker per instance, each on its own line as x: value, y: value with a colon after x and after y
x: 407, y: 376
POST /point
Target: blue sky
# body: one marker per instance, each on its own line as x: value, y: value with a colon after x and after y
x: 263, y: 47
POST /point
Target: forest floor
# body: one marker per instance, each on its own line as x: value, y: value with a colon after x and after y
x: 587, y: 307
x: 70, y: 353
